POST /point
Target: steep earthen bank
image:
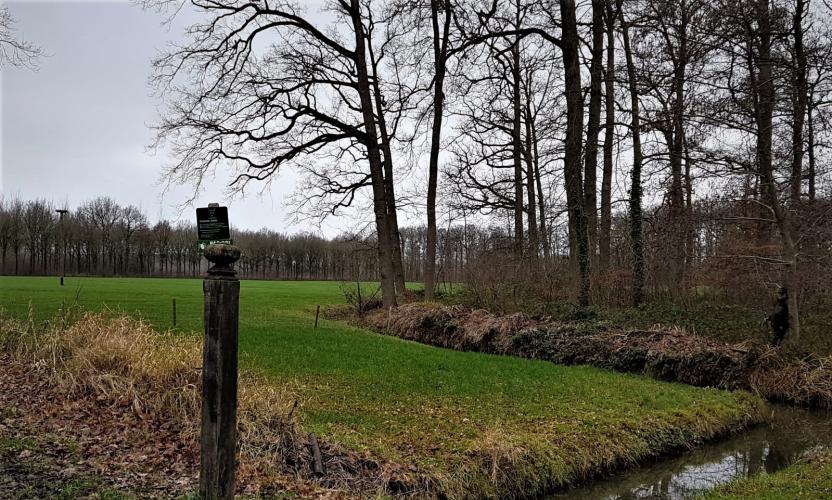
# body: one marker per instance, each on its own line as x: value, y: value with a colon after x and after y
x: 670, y: 355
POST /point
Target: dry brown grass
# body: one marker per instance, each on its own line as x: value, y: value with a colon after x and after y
x: 115, y: 357
x: 120, y: 359
x: 799, y: 381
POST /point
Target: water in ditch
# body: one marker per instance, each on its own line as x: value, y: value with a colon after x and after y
x: 764, y: 449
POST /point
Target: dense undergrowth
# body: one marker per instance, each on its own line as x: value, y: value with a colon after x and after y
x: 710, y: 311
x: 703, y: 311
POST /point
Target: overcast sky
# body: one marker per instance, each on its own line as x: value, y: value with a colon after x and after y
x: 78, y: 127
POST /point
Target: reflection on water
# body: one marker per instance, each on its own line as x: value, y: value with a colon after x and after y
x: 764, y: 449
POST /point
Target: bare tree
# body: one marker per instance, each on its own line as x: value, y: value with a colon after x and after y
x: 800, y: 95
x: 764, y: 91
x: 636, y: 239
x: 594, y: 127
x: 610, y: 17
x: 13, y: 51
x: 308, y: 95
x: 441, y: 42
x: 570, y: 47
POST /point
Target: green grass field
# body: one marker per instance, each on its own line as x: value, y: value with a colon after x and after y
x: 477, y: 423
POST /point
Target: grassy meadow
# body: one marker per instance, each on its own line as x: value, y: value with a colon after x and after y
x: 478, y: 424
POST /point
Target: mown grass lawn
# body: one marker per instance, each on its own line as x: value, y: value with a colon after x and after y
x: 479, y: 424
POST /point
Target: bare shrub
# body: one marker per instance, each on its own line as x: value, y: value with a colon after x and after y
x: 361, y: 298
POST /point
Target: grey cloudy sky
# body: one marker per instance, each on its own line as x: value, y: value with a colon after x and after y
x: 78, y: 127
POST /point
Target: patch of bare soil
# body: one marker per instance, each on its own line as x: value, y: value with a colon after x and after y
x: 671, y: 355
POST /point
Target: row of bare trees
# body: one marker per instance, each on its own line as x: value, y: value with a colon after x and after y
x: 100, y: 237
x: 728, y: 258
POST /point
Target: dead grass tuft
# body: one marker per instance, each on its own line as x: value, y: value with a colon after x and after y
x: 820, y: 455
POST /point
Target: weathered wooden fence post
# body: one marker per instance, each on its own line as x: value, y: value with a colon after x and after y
x: 174, y: 311
x: 219, y: 374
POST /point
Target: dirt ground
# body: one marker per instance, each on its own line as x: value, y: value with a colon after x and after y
x: 54, y: 447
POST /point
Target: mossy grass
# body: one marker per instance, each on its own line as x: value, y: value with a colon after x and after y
x: 809, y: 479
x: 480, y: 425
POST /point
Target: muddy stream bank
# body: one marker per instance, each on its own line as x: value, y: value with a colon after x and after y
x: 665, y: 354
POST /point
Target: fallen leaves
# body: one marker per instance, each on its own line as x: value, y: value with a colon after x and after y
x: 85, y: 436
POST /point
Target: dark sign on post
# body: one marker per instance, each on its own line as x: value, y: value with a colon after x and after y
x: 212, y: 224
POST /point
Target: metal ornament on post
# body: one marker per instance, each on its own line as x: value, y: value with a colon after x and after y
x: 218, y: 440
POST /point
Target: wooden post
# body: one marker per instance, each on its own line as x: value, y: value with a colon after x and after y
x: 218, y: 440
x: 317, y: 313
x: 174, y: 310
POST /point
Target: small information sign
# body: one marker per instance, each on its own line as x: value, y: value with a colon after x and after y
x: 212, y: 225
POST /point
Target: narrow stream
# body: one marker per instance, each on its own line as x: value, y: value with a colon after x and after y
x: 764, y: 449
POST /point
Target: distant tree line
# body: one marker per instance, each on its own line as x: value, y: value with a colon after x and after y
x: 102, y: 238
x: 732, y: 253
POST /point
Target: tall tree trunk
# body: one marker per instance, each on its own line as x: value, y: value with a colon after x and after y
x: 390, y: 190
x: 811, y: 147
x: 677, y: 148
x: 385, y: 251
x: 690, y: 235
x: 609, y: 139
x: 800, y: 93
x: 534, y: 244
x: 570, y: 48
x: 594, y: 128
x: 440, y: 55
x: 635, y: 174
x: 516, y: 142
x: 764, y: 111
x: 543, y: 234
